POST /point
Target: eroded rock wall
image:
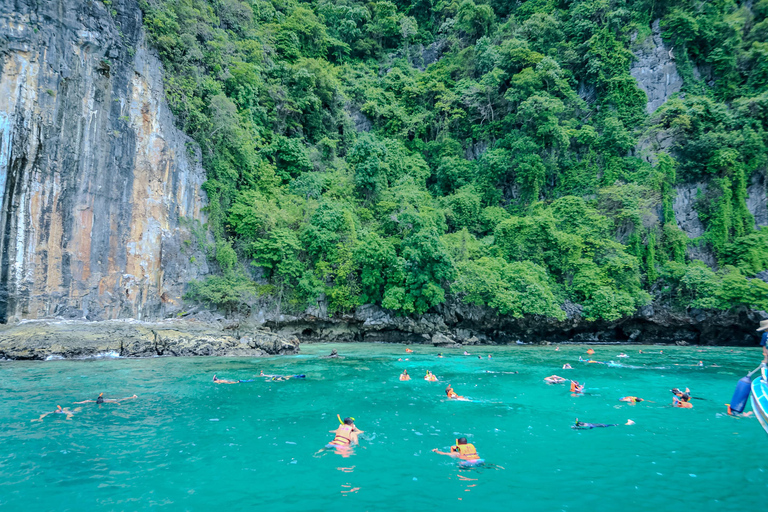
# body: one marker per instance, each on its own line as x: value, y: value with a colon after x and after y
x: 655, y: 70
x: 95, y: 180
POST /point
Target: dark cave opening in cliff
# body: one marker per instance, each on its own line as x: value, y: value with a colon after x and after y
x: 307, y: 332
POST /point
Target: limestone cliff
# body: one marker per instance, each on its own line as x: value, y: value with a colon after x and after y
x: 95, y: 180
x: 655, y: 70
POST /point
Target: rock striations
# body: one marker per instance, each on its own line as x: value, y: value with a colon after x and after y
x: 95, y: 180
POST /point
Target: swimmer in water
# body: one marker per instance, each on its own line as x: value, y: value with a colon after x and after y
x: 489, y: 356
x: 59, y: 410
x: 224, y: 381
x: 631, y: 399
x: 405, y: 376
x: 467, y: 353
x: 567, y: 366
x: 408, y: 351
x: 580, y: 425
x: 461, y: 450
x: 683, y: 402
x: 452, y: 395
x: 622, y: 355
x: 440, y: 355
x: 679, y: 394
x: 333, y: 354
x: 430, y: 377
x: 346, y: 434
x: 576, y: 388
x: 101, y: 400
x: 554, y: 379
x: 590, y: 352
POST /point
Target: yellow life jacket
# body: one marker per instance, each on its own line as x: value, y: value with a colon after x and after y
x: 467, y: 451
x: 340, y: 435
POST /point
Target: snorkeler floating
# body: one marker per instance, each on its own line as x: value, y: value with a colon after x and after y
x: 682, y: 400
x: 576, y: 388
x: 101, y: 400
x: 346, y: 434
x: 224, y: 381
x: 631, y: 399
x: 333, y: 354
x: 581, y: 425
x: 463, y: 451
x: 405, y: 376
x: 431, y: 377
x: 59, y: 410
x: 554, y: 379
x: 452, y: 395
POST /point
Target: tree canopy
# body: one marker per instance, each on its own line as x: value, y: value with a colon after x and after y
x: 402, y: 152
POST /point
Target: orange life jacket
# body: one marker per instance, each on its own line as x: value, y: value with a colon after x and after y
x: 343, y: 435
x: 467, y: 451
x: 684, y: 405
x: 574, y: 387
x: 405, y: 377
x: 452, y: 394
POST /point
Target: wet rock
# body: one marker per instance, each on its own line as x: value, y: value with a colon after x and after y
x: 439, y: 340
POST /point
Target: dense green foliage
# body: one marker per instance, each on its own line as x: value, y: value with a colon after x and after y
x: 511, y: 172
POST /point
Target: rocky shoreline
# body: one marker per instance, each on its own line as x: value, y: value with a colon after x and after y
x: 455, y: 323
x: 264, y: 332
x: 68, y: 339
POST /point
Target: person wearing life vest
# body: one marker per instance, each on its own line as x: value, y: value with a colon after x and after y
x: 576, y: 387
x: 590, y: 352
x: 405, y: 376
x: 452, y: 395
x: 681, y: 399
x: 631, y: 399
x: 430, y: 376
x: 461, y: 450
x: 408, y: 351
x: 346, y: 434
x: 554, y: 379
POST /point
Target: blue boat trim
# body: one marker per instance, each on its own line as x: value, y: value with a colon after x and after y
x: 759, y: 398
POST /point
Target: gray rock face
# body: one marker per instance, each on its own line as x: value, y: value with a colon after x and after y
x: 455, y: 321
x: 94, y: 177
x: 685, y: 215
x: 655, y: 70
x: 77, y: 339
x: 757, y: 198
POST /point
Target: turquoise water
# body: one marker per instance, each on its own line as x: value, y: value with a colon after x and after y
x: 189, y: 444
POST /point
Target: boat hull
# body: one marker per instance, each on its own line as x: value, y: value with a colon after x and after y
x: 759, y: 399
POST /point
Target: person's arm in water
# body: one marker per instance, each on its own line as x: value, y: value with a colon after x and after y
x: 86, y: 402
x: 450, y: 454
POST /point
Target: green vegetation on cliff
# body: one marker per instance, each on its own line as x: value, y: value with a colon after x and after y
x: 401, y: 152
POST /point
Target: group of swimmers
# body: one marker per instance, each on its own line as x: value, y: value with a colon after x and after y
x: 681, y: 399
x: 346, y: 436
